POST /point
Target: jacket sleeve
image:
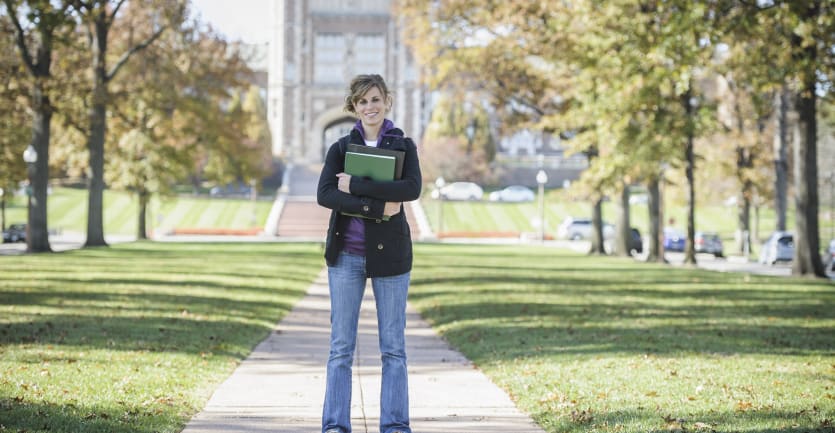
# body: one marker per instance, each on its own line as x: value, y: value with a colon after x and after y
x: 407, y: 188
x: 329, y: 195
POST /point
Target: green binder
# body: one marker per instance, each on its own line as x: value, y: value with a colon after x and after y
x: 376, y: 167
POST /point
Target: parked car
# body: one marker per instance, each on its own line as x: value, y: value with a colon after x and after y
x: 576, y: 229
x: 636, y: 243
x: 513, y: 193
x: 674, y: 240
x: 708, y: 242
x: 778, y: 248
x: 829, y: 257
x: 15, y: 233
x: 460, y: 191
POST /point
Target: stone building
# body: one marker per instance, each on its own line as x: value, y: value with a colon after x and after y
x: 317, y: 47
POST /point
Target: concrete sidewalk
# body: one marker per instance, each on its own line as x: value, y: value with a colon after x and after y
x: 280, y: 387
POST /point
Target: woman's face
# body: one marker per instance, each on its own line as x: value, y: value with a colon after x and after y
x: 371, y: 107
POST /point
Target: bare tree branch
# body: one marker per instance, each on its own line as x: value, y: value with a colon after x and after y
x: 136, y: 48
x: 20, y: 38
x: 116, y: 10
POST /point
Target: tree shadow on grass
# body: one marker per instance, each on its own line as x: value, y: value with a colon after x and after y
x: 142, y: 320
x: 117, y: 417
x: 666, y: 420
x: 505, y: 312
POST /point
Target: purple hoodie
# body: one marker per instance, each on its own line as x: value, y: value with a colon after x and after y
x: 355, y: 232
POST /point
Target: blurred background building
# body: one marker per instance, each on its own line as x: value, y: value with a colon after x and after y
x: 317, y: 46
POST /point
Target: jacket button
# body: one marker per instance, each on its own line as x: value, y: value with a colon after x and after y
x: 379, y: 246
x: 365, y: 208
x: 378, y: 221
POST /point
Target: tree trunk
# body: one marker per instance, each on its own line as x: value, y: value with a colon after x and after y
x: 623, y: 242
x: 142, y: 232
x: 95, y: 142
x: 743, y: 220
x: 655, y: 237
x: 597, y: 227
x: 690, y: 161
x: 781, y: 161
x: 743, y: 210
x: 744, y: 162
x: 807, y: 258
x: 37, y: 240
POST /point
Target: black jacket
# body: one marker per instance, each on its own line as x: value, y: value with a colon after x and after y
x: 388, y: 244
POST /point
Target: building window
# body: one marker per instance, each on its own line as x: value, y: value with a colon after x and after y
x: 329, y: 58
x: 369, y: 54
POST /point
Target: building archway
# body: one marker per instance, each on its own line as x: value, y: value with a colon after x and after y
x: 331, y: 124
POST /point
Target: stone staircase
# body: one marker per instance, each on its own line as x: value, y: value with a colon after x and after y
x: 302, y: 218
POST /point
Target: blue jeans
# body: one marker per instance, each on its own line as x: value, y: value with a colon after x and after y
x: 347, y: 285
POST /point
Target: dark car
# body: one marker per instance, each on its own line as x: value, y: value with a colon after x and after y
x: 636, y: 244
x: 674, y: 240
x: 15, y: 233
x: 707, y: 242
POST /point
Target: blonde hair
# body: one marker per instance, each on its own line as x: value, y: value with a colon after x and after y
x: 360, y: 85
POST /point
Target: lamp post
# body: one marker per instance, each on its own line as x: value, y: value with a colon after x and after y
x: 832, y: 204
x: 2, y: 210
x: 30, y: 157
x: 253, y: 195
x: 439, y: 184
x: 541, y: 179
x: 470, y: 131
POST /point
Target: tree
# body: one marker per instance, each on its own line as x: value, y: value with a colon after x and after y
x: 805, y: 31
x: 14, y: 134
x: 35, y: 37
x: 99, y: 17
x: 451, y: 152
x: 179, y: 103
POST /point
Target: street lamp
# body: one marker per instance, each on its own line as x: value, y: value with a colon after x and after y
x: 541, y: 179
x: 30, y: 157
x: 439, y: 185
x: 253, y: 193
x: 2, y: 210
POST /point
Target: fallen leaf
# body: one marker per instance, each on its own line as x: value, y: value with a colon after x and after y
x: 743, y: 406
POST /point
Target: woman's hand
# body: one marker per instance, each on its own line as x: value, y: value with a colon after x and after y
x: 344, y: 182
x: 392, y: 208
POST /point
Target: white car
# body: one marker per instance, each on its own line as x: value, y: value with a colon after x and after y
x: 460, y: 191
x: 513, y: 193
x: 575, y: 229
x: 829, y: 257
x: 778, y: 248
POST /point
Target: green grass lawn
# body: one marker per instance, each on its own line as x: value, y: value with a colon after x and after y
x: 67, y: 211
x: 598, y: 344
x: 136, y: 337
x: 485, y: 216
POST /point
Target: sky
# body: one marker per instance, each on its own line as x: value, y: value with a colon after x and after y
x: 240, y: 19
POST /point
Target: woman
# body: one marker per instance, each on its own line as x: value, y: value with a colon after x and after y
x: 358, y: 248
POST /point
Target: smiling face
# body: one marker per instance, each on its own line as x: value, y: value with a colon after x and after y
x: 371, y: 108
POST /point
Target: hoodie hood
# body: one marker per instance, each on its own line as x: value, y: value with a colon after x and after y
x: 387, y: 126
